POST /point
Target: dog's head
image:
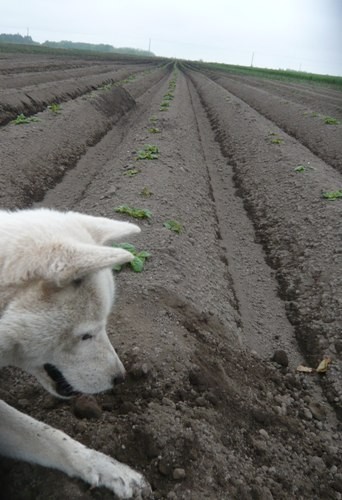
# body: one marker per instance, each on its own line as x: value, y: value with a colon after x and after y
x: 57, y: 290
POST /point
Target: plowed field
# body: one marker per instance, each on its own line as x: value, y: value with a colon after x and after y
x: 213, y: 329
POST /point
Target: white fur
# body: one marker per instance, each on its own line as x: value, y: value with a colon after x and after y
x: 56, y: 292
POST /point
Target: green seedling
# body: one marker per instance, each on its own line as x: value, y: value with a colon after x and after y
x: 137, y: 213
x: 154, y: 130
x: 55, y: 108
x: 165, y: 104
x: 131, y: 172
x: 163, y: 107
x: 148, y: 153
x: 22, y: 119
x: 330, y: 121
x: 137, y: 264
x: 277, y: 140
x: 153, y: 119
x: 314, y: 114
x: 303, y: 168
x: 174, y: 226
x: 146, y: 192
x: 332, y: 195
x: 168, y: 97
x: 107, y: 86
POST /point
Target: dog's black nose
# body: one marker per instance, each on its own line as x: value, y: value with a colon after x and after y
x: 118, y: 379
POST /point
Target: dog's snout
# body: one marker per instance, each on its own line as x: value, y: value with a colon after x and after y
x: 118, y: 379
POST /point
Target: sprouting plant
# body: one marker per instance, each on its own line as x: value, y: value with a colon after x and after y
x: 168, y: 97
x: 174, y: 226
x: 330, y: 121
x: 303, y: 168
x: 314, y: 114
x: 137, y: 264
x: 55, y: 108
x: 22, y: 119
x: 277, y: 140
x: 137, y: 213
x: 164, y: 104
x: 131, y: 172
x: 154, y: 130
x: 332, y: 195
x: 106, y: 86
x: 146, y: 192
x: 153, y: 119
x: 149, y: 152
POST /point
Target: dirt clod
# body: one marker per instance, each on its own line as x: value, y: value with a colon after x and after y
x: 86, y: 407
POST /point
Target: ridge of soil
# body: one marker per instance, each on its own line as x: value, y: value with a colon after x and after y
x: 300, y: 120
x: 205, y: 412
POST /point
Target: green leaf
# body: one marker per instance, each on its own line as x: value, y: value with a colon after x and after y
x: 126, y: 246
x: 137, y: 265
x: 332, y: 195
x: 117, y: 268
x: 143, y: 255
x: 174, y: 226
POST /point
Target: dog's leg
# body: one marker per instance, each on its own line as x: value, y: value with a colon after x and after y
x: 25, y: 438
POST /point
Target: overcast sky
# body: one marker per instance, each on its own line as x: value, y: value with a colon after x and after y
x: 296, y: 34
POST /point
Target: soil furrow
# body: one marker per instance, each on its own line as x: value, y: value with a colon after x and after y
x: 25, y: 79
x: 33, y: 99
x: 28, y: 170
x: 299, y: 229
x: 262, y: 312
x: 316, y: 97
x: 298, y: 120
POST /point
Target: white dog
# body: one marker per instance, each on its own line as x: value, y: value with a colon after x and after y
x: 56, y: 292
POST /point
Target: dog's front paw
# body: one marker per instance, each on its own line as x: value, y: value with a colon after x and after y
x: 125, y: 482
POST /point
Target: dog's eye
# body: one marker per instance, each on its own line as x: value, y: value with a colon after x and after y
x: 86, y: 336
x: 77, y: 282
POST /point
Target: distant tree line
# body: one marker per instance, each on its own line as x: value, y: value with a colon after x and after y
x: 65, y: 44
x: 25, y: 40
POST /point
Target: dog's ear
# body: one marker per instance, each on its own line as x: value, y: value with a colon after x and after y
x: 61, y: 263
x: 79, y: 260
x: 104, y: 230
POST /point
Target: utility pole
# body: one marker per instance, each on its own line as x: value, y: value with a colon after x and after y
x: 252, y: 60
x: 149, y: 44
x: 27, y: 31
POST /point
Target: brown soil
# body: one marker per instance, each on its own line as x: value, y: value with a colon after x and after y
x: 206, y: 413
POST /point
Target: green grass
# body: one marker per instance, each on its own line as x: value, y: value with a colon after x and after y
x: 136, y: 213
x: 278, y: 74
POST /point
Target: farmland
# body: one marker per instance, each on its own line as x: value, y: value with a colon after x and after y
x: 237, y: 175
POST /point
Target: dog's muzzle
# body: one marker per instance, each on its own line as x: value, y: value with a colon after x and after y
x: 63, y: 388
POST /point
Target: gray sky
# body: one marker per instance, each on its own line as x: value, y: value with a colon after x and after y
x: 296, y: 34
